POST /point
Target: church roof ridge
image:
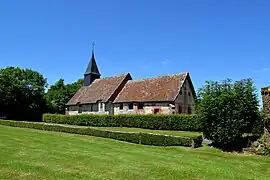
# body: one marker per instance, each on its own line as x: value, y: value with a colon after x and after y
x: 158, y: 77
x: 118, y: 75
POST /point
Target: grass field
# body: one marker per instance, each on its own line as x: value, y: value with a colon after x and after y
x: 33, y: 154
x: 174, y: 133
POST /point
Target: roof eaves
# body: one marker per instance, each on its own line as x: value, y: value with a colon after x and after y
x: 136, y: 101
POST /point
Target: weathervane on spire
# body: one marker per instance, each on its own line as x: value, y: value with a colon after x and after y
x: 93, y: 44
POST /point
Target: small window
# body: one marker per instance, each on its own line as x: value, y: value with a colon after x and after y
x: 107, y: 106
x: 140, y: 106
x: 91, y: 108
x: 80, y: 109
x: 189, y: 110
x: 180, y: 92
x: 130, y: 106
x: 189, y: 94
x: 121, y: 106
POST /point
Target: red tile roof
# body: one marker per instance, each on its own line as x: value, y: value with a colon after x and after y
x: 75, y: 99
x: 161, y: 88
x: 100, y: 89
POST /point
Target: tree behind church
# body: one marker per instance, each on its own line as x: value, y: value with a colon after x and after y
x: 59, y: 94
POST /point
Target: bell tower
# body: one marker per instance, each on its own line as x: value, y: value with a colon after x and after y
x: 92, y: 71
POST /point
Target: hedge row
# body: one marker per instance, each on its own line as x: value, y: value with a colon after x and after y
x: 156, y: 122
x: 134, y: 137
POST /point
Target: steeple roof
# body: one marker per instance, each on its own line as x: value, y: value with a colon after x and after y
x: 92, y: 66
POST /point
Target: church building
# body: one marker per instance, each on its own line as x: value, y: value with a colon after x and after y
x: 168, y: 94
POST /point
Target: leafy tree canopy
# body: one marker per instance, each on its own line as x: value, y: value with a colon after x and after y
x: 21, y: 93
x: 59, y: 94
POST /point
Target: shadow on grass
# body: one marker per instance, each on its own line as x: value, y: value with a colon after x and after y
x: 236, y: 146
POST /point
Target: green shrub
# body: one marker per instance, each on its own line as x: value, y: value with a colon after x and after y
x: 156, y: 122
x: 228, y: 110
x: 167, y: 140
x: 134, y: 137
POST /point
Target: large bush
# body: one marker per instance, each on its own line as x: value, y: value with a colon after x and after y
x: 163, y: 122
x: 22, y: 94
x: 134, y: 137
x: 228, y: 110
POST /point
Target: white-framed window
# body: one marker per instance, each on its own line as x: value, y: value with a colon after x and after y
x: 101, y: 106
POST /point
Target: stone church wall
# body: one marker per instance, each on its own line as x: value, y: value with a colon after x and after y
x: 148, y: 108
x: 86, y: 109
x: 185, y: 102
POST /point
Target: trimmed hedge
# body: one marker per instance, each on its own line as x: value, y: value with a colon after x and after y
x: 155, y: 122
x: 134, y: 137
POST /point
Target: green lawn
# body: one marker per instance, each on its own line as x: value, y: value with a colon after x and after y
x: 33, y: 154
x: 174, y: 133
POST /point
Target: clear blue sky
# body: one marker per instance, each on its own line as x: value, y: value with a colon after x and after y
x: 211, y: 39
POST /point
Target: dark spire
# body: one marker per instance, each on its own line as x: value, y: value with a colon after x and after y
x: 92, y: 71
x: 92, y: 66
